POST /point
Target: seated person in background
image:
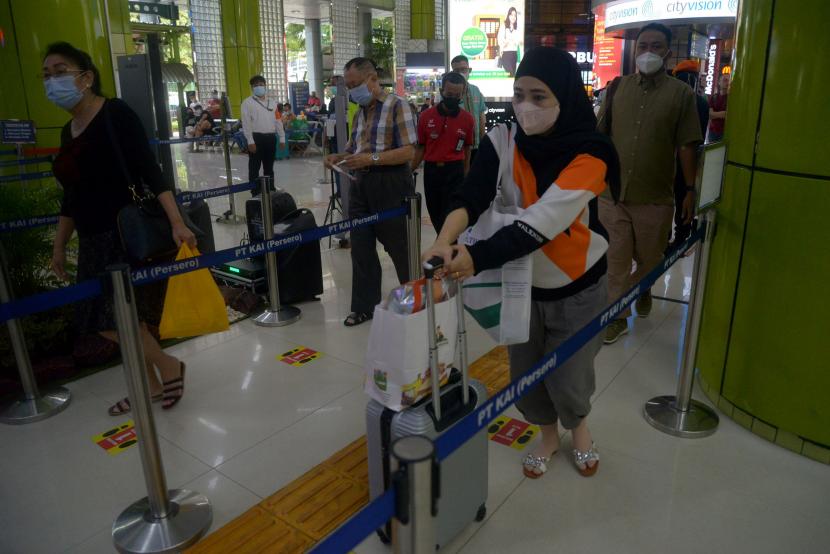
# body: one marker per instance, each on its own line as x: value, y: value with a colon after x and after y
x: 287, y: 114
x: 200, y: 123
x: 214, y: 105
x: 314, y: 104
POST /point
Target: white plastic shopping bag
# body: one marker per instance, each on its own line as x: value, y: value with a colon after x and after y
x: 397, y: 358
x: 499, y: 299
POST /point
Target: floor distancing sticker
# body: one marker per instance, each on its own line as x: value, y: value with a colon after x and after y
x: 514, y: 433
x: 118, y: 439
x: 299, y: 356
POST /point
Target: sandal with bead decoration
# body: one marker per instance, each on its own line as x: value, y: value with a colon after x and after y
x: 534, y: 466
x: 583, y: 458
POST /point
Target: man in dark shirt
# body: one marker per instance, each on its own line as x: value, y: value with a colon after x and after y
x: 445, y: 135
x: 717, y: 109
x: 688, y: 72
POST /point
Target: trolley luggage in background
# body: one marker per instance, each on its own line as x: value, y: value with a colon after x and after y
x: 199, y: 213
x: 463, y: 477
x: 282, y: 204
x: 300, y: 269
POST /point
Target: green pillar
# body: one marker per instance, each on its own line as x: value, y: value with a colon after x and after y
x: 763, y: 351
x: 243, y: 48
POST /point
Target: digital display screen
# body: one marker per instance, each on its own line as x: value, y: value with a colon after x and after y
x: 491, y: 34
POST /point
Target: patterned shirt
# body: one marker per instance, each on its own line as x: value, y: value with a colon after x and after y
x: 473, y: 102
x: 383, y: 126
x: 652, y: 117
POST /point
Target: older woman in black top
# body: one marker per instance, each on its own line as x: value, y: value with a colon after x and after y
x: 95, y: 189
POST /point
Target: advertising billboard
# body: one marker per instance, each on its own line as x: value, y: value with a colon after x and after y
x: 607, y: 52
x: 491, y: 34
x: 627, y: 14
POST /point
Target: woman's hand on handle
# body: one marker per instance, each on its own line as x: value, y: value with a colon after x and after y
x: 461, y: 266
x: 441, y: 250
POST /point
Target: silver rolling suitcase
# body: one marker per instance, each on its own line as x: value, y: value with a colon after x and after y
x: 463, y: 476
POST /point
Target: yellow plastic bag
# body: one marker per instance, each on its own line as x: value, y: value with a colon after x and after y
x: 193, y: 304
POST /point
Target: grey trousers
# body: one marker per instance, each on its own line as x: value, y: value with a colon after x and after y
x: 565, y: 395
x: 372, y: 193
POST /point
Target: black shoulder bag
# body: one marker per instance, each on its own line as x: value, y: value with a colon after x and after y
x: 145, y: 230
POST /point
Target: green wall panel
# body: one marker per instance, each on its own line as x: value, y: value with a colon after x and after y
x: 777, y: 368
x: 748, y: 84
x: 796, y: 90
x: 724, y: 258
x: 12, y: 93
x: 229, y: 30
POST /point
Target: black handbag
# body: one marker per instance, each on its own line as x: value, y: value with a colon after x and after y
x: 145, y: 230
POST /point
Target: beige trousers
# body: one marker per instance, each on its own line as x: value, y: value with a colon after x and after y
x: 638, y: 232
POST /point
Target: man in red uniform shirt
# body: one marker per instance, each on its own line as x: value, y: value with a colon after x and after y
x: 445, y: 135
x: 717, y: 110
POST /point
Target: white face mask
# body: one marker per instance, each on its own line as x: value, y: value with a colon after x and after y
x: 649, y: 63
x: 535, y: 120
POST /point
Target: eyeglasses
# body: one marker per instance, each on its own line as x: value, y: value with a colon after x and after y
x: 59, y: 73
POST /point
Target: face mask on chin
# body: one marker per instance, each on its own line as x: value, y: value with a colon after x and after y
x: 649, y: 63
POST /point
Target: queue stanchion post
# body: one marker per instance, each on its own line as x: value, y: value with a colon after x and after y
x: 680, y: 415
x: 275, y: 315
x: 33, y: 404
x: 415, y: 476
x: 230, y: 215
x: 413, y: 234
x: 165, y: 520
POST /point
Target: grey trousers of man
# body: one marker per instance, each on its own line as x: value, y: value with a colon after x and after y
x: 565, y: 394
x: 375, y: 191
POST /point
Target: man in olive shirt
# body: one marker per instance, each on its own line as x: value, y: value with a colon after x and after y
x: 651, y: 117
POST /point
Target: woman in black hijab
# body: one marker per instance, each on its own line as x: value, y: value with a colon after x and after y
x: 554, y: 165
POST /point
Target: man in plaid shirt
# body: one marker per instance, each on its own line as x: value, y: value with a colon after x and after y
x: 378, y: 157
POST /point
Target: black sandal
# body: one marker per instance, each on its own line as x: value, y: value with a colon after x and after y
x: 173, y: 390
x: 123, y: 406
x: 356, y: 318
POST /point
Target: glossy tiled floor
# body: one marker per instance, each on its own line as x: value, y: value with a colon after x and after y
x: 249, y: 424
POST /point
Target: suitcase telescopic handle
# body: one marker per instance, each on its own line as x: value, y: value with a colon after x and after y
x: 430, y: 267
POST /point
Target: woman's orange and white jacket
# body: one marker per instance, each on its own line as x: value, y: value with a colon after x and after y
x: 560, y: 228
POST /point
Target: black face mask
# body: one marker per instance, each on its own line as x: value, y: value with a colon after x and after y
x: 451, y: 104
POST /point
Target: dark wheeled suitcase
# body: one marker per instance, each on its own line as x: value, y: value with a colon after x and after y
x: 199, y: 213
x: 282, y: 204
x: 463, y: 477
x: 300, y: 269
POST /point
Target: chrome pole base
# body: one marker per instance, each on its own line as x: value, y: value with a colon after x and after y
x: 21, y: 410
x: 698, y: 422
x: 135, y: 530
x: 277, y: 318
x: 231, y: 219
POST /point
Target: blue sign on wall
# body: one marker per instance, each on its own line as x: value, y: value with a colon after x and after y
x: 17, y: 131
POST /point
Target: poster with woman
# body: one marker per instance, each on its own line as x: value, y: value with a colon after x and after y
x: 491, y: 35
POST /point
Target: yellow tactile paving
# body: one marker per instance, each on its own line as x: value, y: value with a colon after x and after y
x: 296, y: 517
x: 256, y: 531
x: 318, y: 502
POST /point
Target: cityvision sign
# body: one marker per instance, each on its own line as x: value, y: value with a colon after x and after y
x: 624, y: 14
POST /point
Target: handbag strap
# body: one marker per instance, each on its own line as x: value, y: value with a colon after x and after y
x: 119, y: 154
x: 501, y: 137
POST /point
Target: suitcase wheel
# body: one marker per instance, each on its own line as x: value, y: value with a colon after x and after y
x: 482, y: 513
x: 384, y: 538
